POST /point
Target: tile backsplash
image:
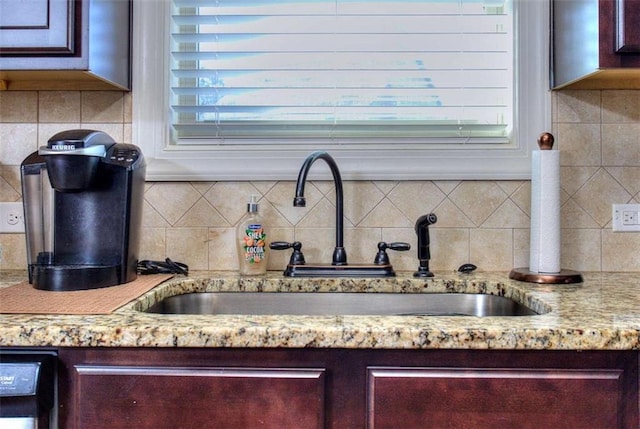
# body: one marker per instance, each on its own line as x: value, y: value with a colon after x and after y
x: 483, y: 222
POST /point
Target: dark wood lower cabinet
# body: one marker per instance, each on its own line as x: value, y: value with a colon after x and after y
x: 494, y: 398
x: 165, y: 397
x: 337, y: 388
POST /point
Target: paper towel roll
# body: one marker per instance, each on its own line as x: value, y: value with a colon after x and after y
x: 545, y: 212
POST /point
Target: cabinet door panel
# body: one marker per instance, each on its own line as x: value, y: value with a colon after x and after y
x: 493, y: 398
x: 628, y: 26
x: 162, y: 397
x: 618, y: 33
x: 37, y: 27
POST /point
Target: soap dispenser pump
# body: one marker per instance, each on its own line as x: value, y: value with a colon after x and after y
x: 252, y: 241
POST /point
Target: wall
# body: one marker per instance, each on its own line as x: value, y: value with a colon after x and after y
x: 483, y: 222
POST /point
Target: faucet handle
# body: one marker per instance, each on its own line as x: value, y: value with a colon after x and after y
x: 297, y: 258
x: 382, y: 258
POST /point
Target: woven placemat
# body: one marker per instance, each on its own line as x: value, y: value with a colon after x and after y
x: 23, y: 298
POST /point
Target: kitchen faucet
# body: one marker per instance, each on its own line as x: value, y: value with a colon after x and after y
x: 381, y: 267
x: 339, y: 253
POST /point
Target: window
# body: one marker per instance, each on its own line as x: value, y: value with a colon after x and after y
x: 409, y: 89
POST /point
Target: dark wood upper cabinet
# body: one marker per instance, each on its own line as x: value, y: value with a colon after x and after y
x: 627, y: 22
x: 65, y: 44
x: 596, y: 44
x: 37, y: 27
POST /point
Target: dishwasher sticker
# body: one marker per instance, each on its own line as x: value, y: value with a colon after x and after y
x: 17, y: 379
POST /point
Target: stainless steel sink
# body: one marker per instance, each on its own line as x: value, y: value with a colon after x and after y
x: 299, y: 303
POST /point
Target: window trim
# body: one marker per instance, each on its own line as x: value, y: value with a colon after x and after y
x: 150, y: 128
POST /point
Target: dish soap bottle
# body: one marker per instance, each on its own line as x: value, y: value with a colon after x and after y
x: 252, y: 241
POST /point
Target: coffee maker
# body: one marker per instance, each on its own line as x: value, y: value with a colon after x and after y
x: 82, y: 196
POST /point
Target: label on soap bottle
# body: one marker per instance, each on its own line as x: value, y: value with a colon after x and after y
x: 254, y: 244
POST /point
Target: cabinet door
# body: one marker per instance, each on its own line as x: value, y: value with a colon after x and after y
x: 65, y: 44
x: 494, y: 398
x: 627, y: 24
x: 166, y: 397
x: 619, y: 34
x: 37, y: 27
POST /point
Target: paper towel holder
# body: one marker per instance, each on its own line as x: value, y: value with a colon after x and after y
x: 563, y: 277
x: 545, y: 142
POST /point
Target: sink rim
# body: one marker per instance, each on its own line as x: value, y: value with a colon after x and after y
x: 521, y: 309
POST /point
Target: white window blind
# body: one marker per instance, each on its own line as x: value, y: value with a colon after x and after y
x: 394, y: 90
x: 438, y: 70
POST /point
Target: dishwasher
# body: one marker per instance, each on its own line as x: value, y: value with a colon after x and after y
x: 28, y: 389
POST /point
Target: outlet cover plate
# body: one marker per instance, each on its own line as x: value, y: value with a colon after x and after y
x: 11, y: 218
x: 626, y: 217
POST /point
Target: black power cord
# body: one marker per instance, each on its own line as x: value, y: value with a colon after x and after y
x: 159, y: 267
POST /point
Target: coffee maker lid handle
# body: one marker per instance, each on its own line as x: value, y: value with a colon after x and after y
x: 78, y: 142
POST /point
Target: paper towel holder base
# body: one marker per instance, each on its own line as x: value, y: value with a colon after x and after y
x: 563, y: 277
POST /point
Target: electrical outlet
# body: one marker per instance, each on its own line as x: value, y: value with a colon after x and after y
x: 11, y: 217
x: 626, y: 217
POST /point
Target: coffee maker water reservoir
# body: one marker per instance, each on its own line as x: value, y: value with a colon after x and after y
x: 82, y: 196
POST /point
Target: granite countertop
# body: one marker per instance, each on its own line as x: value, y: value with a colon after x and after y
x: 603, y: 313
